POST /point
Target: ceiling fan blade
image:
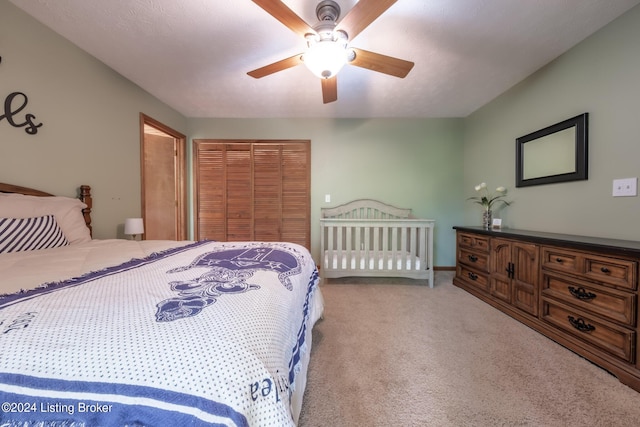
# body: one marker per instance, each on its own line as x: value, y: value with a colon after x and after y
x: 329, y: 89
x: 381, y: 63
x: 363, y: 14
x: 276, y: 66
x: 282, y: 13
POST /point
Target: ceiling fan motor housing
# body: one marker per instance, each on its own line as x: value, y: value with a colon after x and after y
x: 328, y: 10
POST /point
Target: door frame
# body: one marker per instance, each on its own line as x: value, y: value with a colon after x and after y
x: 180, y: 184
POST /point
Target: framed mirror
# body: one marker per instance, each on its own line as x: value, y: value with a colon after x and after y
x: 557, y: 153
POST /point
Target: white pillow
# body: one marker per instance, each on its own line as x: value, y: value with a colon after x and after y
x: 30, y: 234
x: 67, y: 211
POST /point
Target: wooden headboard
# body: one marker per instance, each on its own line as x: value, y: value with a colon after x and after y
x: 84, y: 194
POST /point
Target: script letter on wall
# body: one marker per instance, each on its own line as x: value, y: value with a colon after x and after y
x: 14, y: 104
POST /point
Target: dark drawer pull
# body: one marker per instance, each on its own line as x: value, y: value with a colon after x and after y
x: 581, y: 293
x: 580, y: 324
x: 473, y: 258
x: 560, y: 260
x: 605, y: 270
x: 473, y: 276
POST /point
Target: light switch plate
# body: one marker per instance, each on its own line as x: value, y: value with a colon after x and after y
x: 626, y: 187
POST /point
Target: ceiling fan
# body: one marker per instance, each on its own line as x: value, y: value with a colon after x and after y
x: 327, y: 42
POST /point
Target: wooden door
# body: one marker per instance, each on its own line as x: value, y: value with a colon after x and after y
x: 526, y: 261
x: 160, y: 208
x: 267, y: 192
x: 252, y: 190
x: 238, y: 185
x: 514, y: 273
x: 296, y: 194
x: 500, y: 276
x: 209, y: 166
x: 163, y: 184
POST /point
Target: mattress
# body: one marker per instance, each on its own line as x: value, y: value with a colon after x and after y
x: 361, y: 260
x: 17, y: 271
x: 121, y: 332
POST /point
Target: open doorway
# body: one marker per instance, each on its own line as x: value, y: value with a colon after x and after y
x: 163, y: 181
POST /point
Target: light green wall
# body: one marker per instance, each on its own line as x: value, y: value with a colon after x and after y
x: 405, y: 162
x: 90, y: 115
x: 600, y: 76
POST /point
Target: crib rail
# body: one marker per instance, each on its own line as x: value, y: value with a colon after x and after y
x: 377, y: 248
x: 366, y: 209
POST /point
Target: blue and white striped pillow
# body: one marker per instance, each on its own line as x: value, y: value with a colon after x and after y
x: 30, y: 234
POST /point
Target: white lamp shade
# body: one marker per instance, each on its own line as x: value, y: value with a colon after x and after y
x: 133, y: 226
x: 325, y: 58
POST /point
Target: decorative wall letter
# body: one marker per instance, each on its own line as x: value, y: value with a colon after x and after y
x: 14, y: 103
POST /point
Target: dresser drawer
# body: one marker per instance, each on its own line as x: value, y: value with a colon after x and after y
x: 615, y: 340
x: 473, y: 241
x: 473, y: 278
x: 612, y: 304
x: 560, y: 260
x: 613, y: 271
x: 479, y: 261
x: 617, y: 272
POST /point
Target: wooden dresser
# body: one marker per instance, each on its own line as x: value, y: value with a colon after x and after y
x: 581, y: 292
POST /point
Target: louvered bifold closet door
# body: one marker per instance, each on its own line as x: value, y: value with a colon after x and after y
x: 210, y: 194
x: 264, y: 190
x: 296, y: 184
x: 267, y: 192
x: 239, y: 188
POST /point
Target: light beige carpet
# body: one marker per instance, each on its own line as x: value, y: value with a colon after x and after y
x: 391, y: 352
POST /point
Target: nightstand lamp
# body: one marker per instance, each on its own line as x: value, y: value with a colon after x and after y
x: 133, y: 227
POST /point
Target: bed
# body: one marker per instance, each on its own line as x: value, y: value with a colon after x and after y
x: 124, y: 332
x: 369, y: 238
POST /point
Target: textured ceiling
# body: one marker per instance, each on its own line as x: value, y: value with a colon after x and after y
x: 194, y: 54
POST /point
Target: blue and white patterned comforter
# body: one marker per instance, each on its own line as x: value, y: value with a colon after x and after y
x: 205, y: 334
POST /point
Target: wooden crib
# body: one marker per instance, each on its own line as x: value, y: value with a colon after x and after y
x: 368, y: 238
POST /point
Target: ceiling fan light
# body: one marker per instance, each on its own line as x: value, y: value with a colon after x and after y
x: 325, y: 58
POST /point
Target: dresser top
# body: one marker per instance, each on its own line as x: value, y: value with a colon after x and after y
x: 615, y: 246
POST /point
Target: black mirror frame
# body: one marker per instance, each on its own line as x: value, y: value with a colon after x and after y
x: 581, y: 124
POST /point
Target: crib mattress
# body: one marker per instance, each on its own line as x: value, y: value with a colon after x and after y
x: 361, y: 260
